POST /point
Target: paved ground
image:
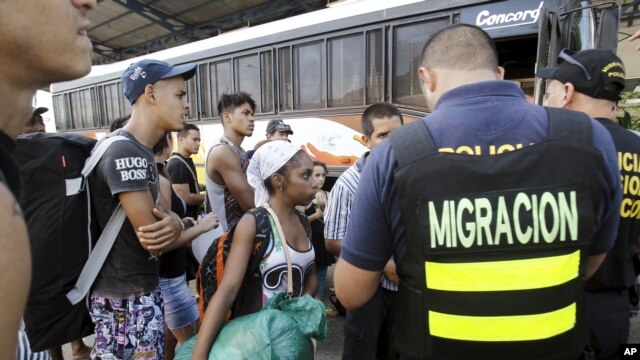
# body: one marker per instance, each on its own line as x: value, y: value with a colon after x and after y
x: 331, y: 347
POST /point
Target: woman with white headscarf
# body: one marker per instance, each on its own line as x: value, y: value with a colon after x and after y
x: 282, y: 177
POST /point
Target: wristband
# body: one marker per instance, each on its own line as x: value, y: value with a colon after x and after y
x: 180, y: 222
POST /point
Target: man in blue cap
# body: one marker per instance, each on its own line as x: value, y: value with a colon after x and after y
x: 127, y: 284
x: 591, y: 81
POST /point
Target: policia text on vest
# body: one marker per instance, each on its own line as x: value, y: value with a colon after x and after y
x: 629, y: 164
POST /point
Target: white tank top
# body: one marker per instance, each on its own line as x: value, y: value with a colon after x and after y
x: 215, y: 196
x: 216, y: 193
x: 215, y: 201
x: 274, y: 268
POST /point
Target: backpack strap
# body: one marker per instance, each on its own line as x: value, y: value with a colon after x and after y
x: 570, y: 125
x: 304, y: 221
x: 193, y: 175
x: 263, y: 236
x: 285, y: 247
x: 108, y: 236
x: 98, y: 256
x: 411, y: 142
x: 262, y: 232
x: 76, y: 185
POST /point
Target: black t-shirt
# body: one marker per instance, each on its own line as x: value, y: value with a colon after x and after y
x: 9, y: 173
x: 182, y: 174
x: 323, y: 256
x: 174, y: 263
x: 125, y: 167
x: 616, y: 272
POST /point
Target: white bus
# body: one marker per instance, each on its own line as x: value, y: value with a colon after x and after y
x: 319, y: 71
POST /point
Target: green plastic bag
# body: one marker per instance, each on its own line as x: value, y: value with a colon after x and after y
x: 281, y: 330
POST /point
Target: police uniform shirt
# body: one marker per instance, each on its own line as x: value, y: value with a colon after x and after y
x: 616, y: 272
x: 126, y: 166
x: 477, y: 119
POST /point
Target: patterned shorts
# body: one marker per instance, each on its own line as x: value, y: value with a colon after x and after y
x: 130, y: 328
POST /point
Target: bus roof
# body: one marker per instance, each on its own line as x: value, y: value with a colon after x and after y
x: 346, y: 15
x: 332, y: 19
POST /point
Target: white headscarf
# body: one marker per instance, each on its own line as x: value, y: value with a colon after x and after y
x: 268, y: 159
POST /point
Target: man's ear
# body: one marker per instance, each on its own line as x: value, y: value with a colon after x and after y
x: 569, y: 94
x: 500, y: 72
x: 149, y: 94
x: 366, y: 141
x: 226, y: 117
x: 428, y: 77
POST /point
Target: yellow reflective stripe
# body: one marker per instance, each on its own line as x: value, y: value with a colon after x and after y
x: 502, y: 328
x: 503, y: 275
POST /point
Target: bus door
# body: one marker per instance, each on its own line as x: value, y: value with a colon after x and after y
x: 515, y: 26
x: 576, y: 26
x: 529, y: 34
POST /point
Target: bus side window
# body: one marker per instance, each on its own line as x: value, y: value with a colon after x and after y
x: 285, y: 79
x: 408, y: 40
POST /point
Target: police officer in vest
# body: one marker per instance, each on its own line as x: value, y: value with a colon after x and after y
x: 496, y: 211
x: 591, y: 81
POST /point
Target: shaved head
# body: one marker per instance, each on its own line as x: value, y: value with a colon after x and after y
x: 460, y: 47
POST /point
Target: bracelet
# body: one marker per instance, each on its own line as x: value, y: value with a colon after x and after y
x: 155, y: 256
x: 180, y: 222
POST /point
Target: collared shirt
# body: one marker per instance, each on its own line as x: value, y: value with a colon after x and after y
x: 340, y: 201
x: 339, y: 205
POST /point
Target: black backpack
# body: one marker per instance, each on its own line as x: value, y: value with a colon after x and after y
x: 209, y: 276
x: 249, y: 297
x: 56, y: 206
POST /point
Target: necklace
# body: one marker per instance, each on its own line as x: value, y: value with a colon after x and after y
x: 240, y: 150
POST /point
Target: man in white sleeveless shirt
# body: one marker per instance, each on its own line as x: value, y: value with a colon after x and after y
x: 229, y: 194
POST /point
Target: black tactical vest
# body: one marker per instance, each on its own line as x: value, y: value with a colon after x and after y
x: 496, y: 245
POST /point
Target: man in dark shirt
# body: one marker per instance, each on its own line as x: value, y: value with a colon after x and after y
x: 591, y: 81
x: 26, y: 65
x: 182, y: 170
x: 126, y: 305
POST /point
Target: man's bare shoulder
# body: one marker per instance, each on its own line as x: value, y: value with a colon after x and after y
x: 222, y: 155
x: 222, y: 150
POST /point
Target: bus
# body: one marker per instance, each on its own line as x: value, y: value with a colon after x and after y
x: 320, y: 70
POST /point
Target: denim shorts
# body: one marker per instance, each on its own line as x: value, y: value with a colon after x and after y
x: 180, y: 307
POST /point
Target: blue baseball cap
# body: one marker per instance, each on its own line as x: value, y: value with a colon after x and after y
x: 147, y: 72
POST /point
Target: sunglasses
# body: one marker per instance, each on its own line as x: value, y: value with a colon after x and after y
x: 567, y: 58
